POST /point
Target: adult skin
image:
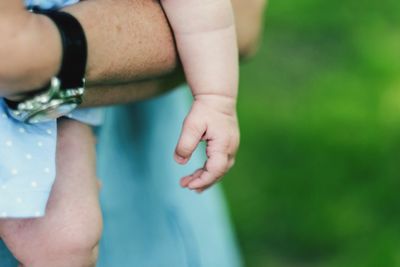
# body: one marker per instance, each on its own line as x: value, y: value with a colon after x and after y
x: 128, y: 40
x: 145, y: 48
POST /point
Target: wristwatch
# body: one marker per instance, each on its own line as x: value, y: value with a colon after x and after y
x: 65, y: 91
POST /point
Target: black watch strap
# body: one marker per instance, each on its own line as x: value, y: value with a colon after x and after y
x: 74, y: 45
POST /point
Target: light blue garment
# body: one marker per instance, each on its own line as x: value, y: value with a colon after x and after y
x: 27, y: 155
x: 27, y: 163
x: 49, y: 4
x: 149, y: 221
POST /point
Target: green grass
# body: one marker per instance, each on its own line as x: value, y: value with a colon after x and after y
x: 318, y: 175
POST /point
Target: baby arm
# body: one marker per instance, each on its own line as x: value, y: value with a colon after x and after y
x: 206, y: 40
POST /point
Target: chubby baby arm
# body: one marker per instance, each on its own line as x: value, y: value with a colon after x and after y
x: 206, y: 39
x: 207, y: 44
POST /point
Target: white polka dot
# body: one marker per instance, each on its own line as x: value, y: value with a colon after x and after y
x: 34, y: 184
x: 38, y: 214
x: 46, y: 170
x: 9, y: 143
x: 14, y: 171
x: 18, y: 199
x: 4, y: 116
x: 49, y: 131
x: 28, y: 156
x: 22, y: 130
x: 40, y: 144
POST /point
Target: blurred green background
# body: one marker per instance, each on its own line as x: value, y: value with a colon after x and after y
x: 318, y: 175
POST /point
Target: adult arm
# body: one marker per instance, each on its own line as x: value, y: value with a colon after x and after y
x: 249, y: 16
x: 129, y: 40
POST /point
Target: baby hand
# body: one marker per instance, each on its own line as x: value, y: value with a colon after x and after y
x: 212, y: 119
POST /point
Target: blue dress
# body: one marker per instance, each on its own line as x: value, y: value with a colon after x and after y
x: 149, y: 220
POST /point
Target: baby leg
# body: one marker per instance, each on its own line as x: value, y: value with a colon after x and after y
x: 68, y: 235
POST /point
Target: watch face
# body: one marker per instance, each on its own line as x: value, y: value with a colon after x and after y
x: 52, y: 112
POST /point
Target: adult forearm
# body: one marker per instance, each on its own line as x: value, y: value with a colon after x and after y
x: 129, y: 40
x: 249, y: 14
x: 107, y: 95
x: 30, y: 51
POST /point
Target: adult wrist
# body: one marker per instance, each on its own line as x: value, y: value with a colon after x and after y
x: 64, y: 93
x: 33, y: 56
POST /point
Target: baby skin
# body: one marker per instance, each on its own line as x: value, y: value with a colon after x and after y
x: 68, y: 235
x: 206, y: 40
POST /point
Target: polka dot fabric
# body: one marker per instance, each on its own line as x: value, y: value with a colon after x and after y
x: 27, y: 162
x: 27, y: 154
x: 27, y: 166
